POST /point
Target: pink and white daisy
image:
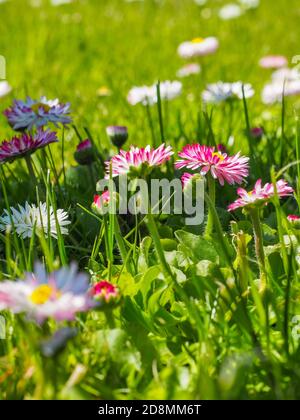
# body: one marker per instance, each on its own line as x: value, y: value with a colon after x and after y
x: 101, y: 202
x: 260, y: 195
x: 198, y: 47
x: 293, y: 218
x: 24, y: 115
x: 124, y: 162
x: 147, y: 95
x: 189, y: 70
x: 273, y: 62
x: 59, y: 295
x: 25, y: 144
x: 230, y: 169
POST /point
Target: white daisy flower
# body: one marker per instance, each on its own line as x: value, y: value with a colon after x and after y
x: 220, y: 92
x: 198, y: 47
x: 147, y: 95
x: 26, y: 219
x: 188, y: 70
x: 5, y: 88
x: 249, y: 4
x: 230, y: 11
x: 272, y: 92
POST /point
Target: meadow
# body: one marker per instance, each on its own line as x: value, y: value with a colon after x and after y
x: 97, y: 305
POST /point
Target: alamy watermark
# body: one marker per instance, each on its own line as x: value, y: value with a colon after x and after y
x: 160, y: 196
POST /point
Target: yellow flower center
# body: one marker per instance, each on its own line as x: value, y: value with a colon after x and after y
x: 198, y: 40
x: 35, y: 108
x: 41, y: 294
x: 219, y: 155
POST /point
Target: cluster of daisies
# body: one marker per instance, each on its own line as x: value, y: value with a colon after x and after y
x: 59, y: 295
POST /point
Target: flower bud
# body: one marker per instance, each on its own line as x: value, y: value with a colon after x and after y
x: 117, y: 135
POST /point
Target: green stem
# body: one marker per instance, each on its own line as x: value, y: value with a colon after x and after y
x: 30, y: 168
x: 259, y: 248
x: 150, y: 122
x: 212, y: 195
x: 121, y: 246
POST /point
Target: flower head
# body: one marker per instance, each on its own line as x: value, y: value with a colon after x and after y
x: 147, y: 95
x: 273, y: 62
x: 260, y: 195
x: 29, y: 218
x: 189, y: 69
x: 198, y: 47
x: 58, y: 295
x: 230, y: 169
x: 102, y: 201
x: 84, y: 153
x: 230, y: 11
x: 136, y: 158
x: 293, y: 218
x: 117, y: 134
x: 37, y: 113
x: 221, y: 92
x: 104, y: 291
x: 5, y: 88
x: 274, y: 91
x: 25, y: 144
x: 257, y: 133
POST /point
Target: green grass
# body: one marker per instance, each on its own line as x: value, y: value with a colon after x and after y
x: 191, y: 322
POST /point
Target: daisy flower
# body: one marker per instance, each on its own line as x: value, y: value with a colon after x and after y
x: 273, y: 92
x: 189, y: 70
x: 59, y: 295
x: 25, y: 219
x: 198, y: 47
x: 260, y: 195
x: 25, y: 144
x: 136, y: 158
x: 103, y: 290
x: 147, y: 95
x: 222, y: 92
x: 24, y: 115
x: 232, y: 169
x: 273, y: 62
x: 293, y: 218
x: 5, y: 88
x: 230, y: 11
x: 101, y: 202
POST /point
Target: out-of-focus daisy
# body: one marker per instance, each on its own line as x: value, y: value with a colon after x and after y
x: 293, y: 218
x: 60, y: 2
x: 104, y: 91
x: 5, y: 88
x: 231, y: 169
x: 138, y: 159
x: 37, y: 113
x: 198, y: 47
x: 260, y: 195
x: 84, y: 153
x: 30, y: 217
x: 220, y: 92
x: 105, y: 291
x: 25, y: 144
x: 230, y: 11
x: 256, y: 133
x: 147, y: 95
x: 189, y: 70
x: 285, y: 75
x: 273, y: 62
x: 59, y: 295
x: 118, y: 134
x: 273, y: 92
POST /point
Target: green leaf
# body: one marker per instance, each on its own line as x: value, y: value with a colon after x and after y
x: 196, y: 247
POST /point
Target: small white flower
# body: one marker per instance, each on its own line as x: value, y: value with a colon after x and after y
x: 147, y: 95
x: 5, y: 88
x: 220, y: 92
x: 273, y: 92
x: 26, y: 219
x: 249, y: 4
x: 60, y: 2
x: 230, y: 11
x: 188, y: 70
x: 198, y: 47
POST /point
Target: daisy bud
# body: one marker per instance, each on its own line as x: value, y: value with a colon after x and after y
x: 117, y: 134
x: 256, y: 133
x: 294, y: 219
x: 102, y: 202
x: 105, y: 292
x: 84, y: 154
